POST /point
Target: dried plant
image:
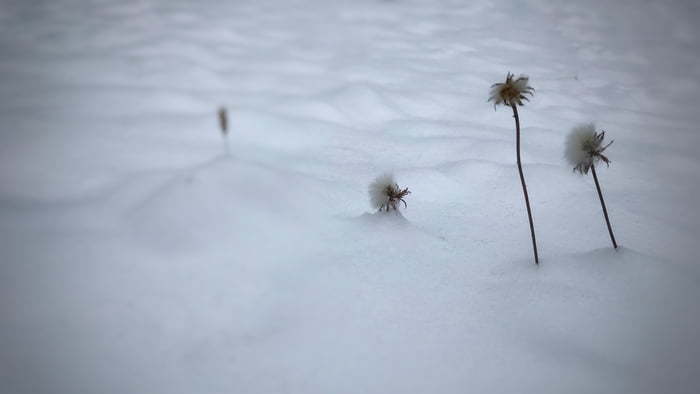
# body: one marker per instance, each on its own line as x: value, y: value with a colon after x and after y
x: 385, y: 193
x: 584, y: 149
x: 512, y: 93
x: 223, y: 125
x: 223, y: 121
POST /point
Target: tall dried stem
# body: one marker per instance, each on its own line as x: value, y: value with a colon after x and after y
x: 605, y: 210
x: 522, y: 181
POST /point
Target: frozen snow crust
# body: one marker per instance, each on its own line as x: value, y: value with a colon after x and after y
x: 137, y: 257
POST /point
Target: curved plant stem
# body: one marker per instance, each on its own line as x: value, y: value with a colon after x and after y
x: 605, y: 210
x: 522, y: 181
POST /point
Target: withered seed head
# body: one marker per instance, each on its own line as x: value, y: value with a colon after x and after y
x: 386, y: 194
x: 511, y: 92
x: 584, y: 148
x: 395, y: 194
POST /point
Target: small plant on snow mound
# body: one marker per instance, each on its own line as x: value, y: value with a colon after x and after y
x: 512, y: 93
x: 385, y: 193
x: 584, y: 149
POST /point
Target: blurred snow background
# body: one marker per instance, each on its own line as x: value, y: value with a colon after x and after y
x: 135, y: 257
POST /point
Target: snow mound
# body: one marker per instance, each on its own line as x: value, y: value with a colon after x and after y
x: 363, y: 105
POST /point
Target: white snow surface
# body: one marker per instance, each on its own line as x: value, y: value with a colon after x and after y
x: 137, y: 257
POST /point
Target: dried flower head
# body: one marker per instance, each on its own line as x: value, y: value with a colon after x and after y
x: 511, y: 92
x: 584, y: 148
x: 385, y: 193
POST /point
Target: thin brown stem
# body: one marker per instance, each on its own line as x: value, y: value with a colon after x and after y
x: 522, y: 181
x: 605, y: 210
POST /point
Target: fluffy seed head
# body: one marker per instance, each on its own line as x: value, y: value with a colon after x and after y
x: 511, y: 92
x: 385, y: 193
x: 584, y: 148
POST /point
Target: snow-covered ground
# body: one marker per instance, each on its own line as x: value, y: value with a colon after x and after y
x: 135, y: 257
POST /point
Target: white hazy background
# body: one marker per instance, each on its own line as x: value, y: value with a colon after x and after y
x: 135, y: 257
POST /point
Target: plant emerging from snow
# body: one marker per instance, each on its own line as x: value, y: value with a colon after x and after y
x: 584, y: 149
x: 385, y: 193
x: 512, y: 93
